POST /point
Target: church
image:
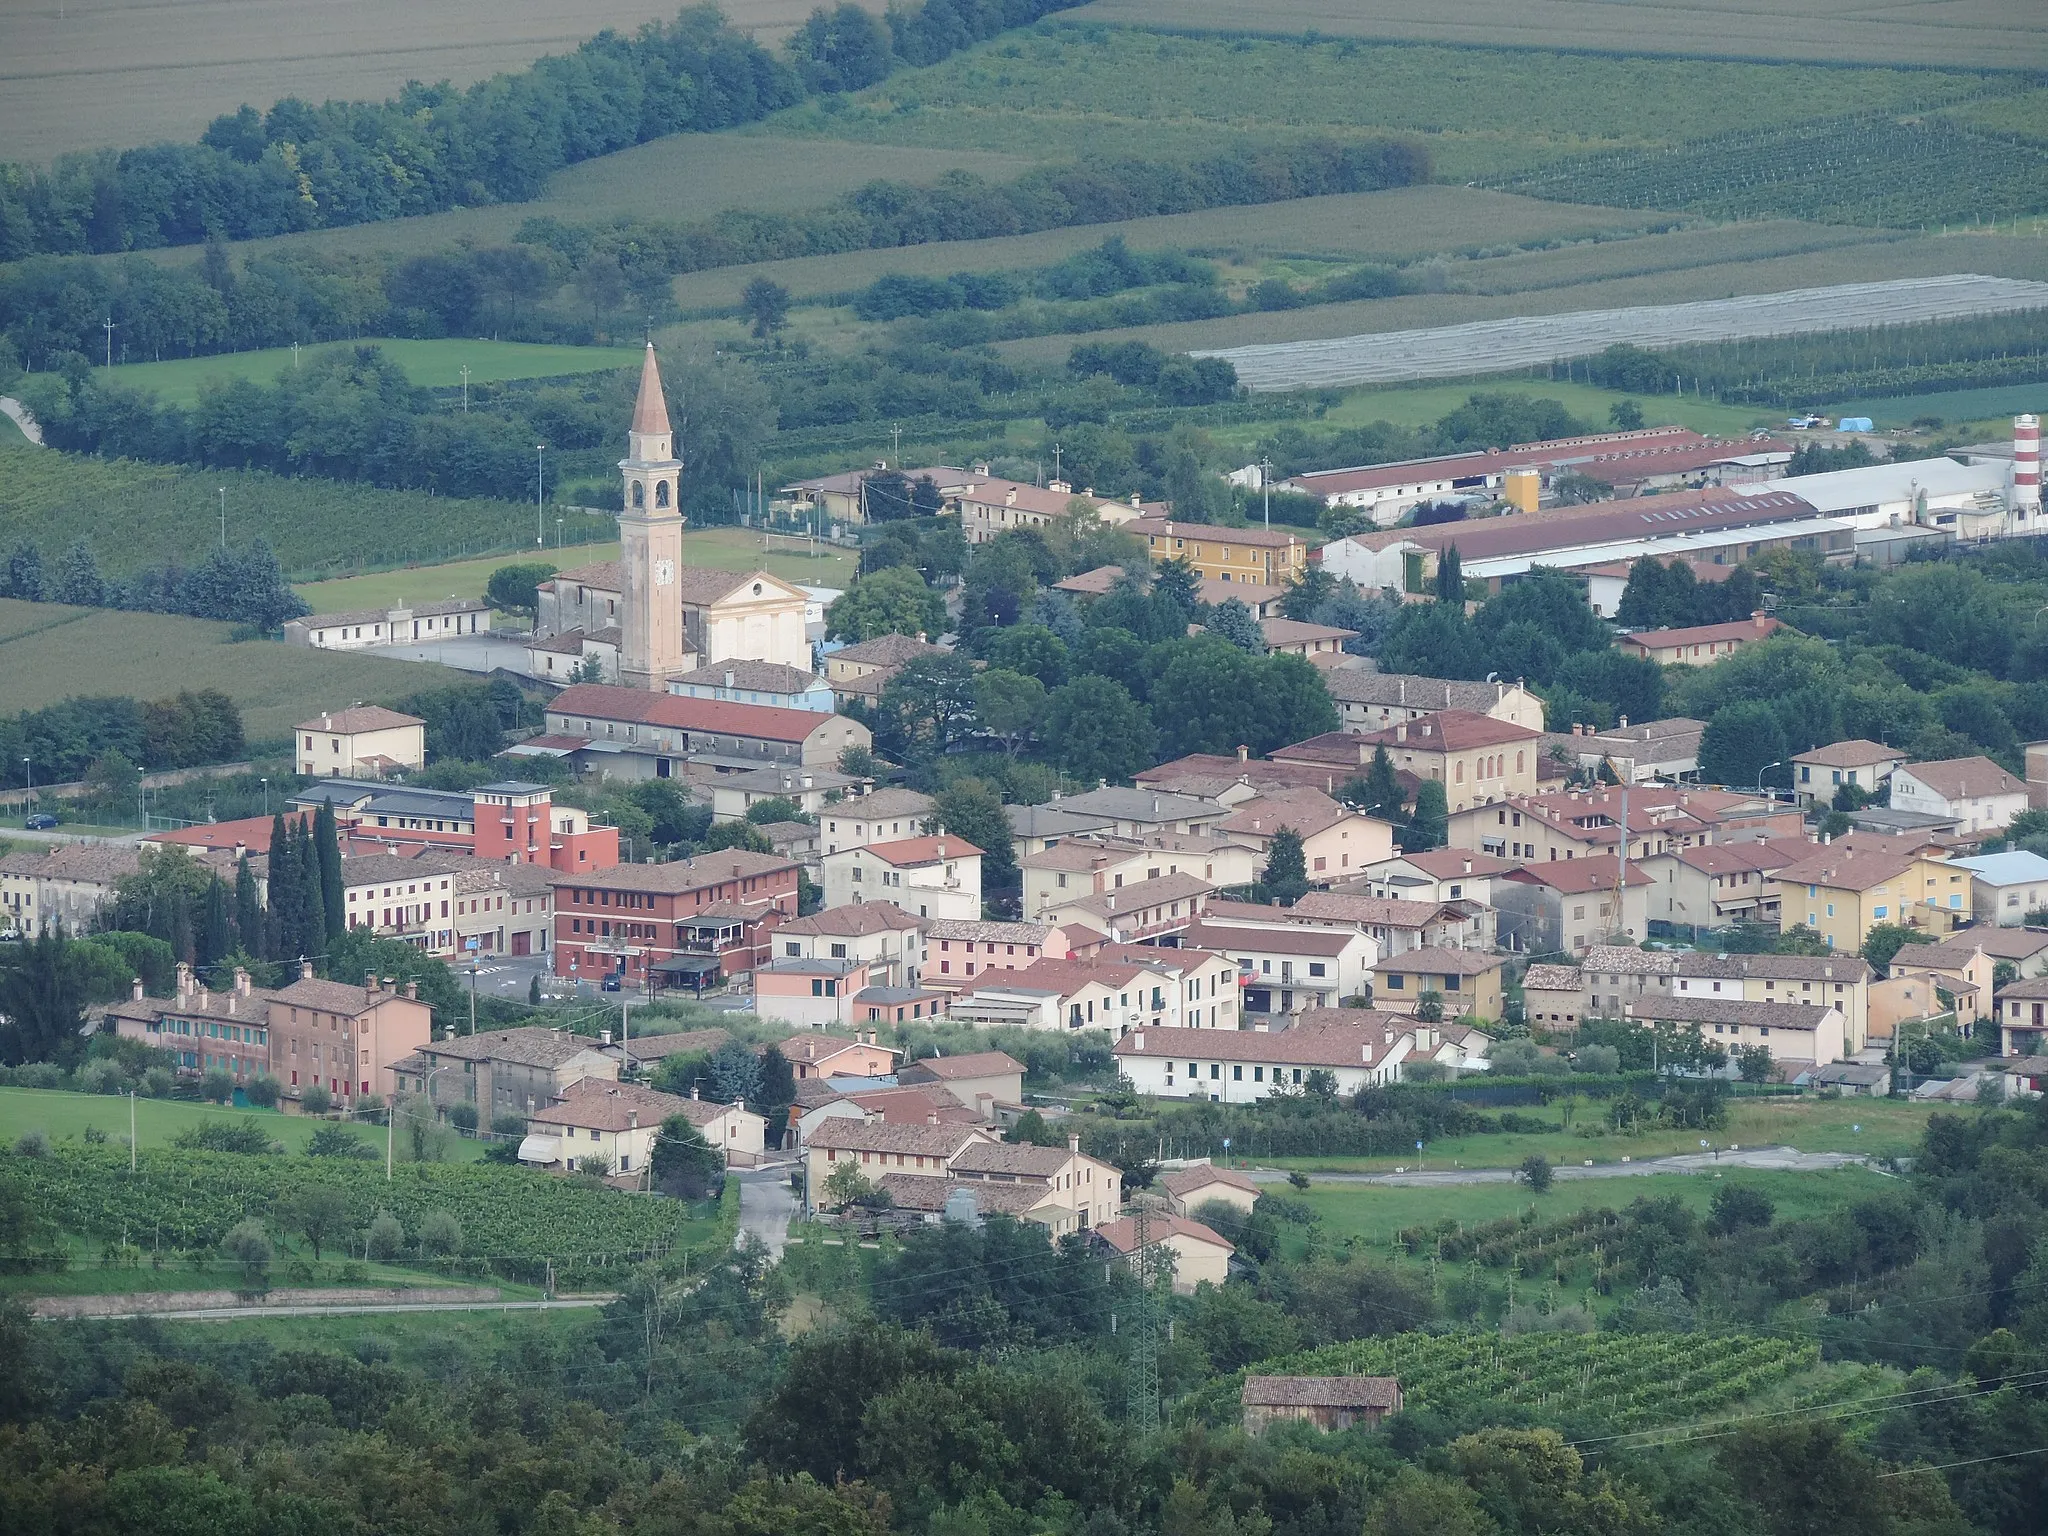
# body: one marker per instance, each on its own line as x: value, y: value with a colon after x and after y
x: 646, y: 618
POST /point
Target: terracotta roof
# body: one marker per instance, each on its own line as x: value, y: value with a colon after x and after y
x: 883, y: 802
x: 759, y: 676
x: 1370, y: 911
x: 885, y: 651
x: 1854, y: 753
x: 678, y: 875
x: 1451, y: 863
x: 852, y: 921
x: 1283, y: 632
x: 507, y: 879
x: 1321, y: 1392
x: 1575, y: 877
x: 209, y: 1004
x: 1213, y: 533
x: 1448, y: 730
x: 1998, y: 943
x: 975, y: 932
x: 913, y: 1106
x: 814, y: 1047
x: 1299, y: 940
x: 650, y: 410
x: 687, y: 1042
x: 1141, y: 894
x: 600, y: 1105
x: 523, y: 1047
x: 605, y: 575
x: 1965, y: 778
x: 1185, y: 1181
x: 359, y: 717
x: 1434, y: 959
x: 1847, y: 969
x: 1092, y: 583
x: 956, y: 1068
x: 1326, y: 1046
x: 1765, y: 856
x: 1686, y: 1009
x: 369, y: 868
x: 724, y: 717
x: 1550, y: 978
x: 1018, y: 1159
x: 1122, y: 1234
x: 912, y: 852
x: 1627, y: 960
x: 914, y: 1192
x: 89, y: 863
x: 1306, y: 811
x: 1846, y: 868
x: 839, y: 1134
x: 1703, y: 634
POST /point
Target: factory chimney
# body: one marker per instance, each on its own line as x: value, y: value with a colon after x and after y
x: 2026, y: 466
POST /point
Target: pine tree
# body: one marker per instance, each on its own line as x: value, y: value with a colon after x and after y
x: 282, y: 930
x: 1450, y: 576
x: 1383, y: 797
x: 1286, y: 872
x: 248, y: 910
x: 312, y: 904
x: 1430, y: 826
x: 181, y: 928
x: 327, y: 846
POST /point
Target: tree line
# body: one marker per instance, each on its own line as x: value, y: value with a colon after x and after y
x: 297, y: 167
x: 243, y: 585
x: 64, y: 740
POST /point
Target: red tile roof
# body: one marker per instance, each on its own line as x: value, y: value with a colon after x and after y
x: 764, y: 722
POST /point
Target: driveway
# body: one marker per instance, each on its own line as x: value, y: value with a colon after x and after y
x: 766, y: 1204
x: 1783, y: 1159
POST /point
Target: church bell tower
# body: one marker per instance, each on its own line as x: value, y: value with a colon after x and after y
x: 651, y: 643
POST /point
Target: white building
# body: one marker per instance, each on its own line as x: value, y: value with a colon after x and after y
x: 365, y: 741
x: 2005, y: 887
x: 1290, y: 970
x: 1974, y: 792
x: 936, y: 877
x: 406, y: 624
x: 1243, y: 1066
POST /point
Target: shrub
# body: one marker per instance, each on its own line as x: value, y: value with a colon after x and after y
x: 217, y: 1086
x: 246, y: 1136
x: 32, y: 1144
x: 95, y: 1137
x: 1600, y: 1060
x: 1535, y: 1172
x: 386, y: 1238
x: 508, y: 1124
x: 39, y: 1074
x: 370, y: 1104
x: 102, y: 1077
x: 462, y: 1115
x: 1298, y: 1179
x: 262, y: 1092
x: 316, y: 1100
x: 440, y: 1235
x: 335, y: 1141
x: 248, y: 1245
x: 1735, y: 1208
x: 158, y: 1082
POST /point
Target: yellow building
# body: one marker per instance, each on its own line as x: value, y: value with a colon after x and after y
x: 1476, y: 758
x: 1845, y: 890
x: 1271, y: 557
x: 365, y: 742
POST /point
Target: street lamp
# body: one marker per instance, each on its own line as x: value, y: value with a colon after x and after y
x: 31, y: 764
x: 266, y: 796
x: 540, y: 537
x: 1760, y: 789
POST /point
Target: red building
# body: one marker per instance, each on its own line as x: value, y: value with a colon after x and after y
x: 520, y: 823
x: 707, y: 915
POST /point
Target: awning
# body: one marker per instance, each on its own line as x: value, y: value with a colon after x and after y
x: 686, y: 968
x: 540, y: 1149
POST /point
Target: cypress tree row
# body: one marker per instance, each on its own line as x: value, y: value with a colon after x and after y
x: 327, y: 846
x: 248, y: 911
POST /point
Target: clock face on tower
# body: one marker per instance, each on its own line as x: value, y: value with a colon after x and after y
x: 664, y: 572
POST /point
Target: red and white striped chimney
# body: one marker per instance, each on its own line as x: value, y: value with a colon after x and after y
x: 2026, y: 465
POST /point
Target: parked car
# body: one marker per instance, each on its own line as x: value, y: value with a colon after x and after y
x: 42, y: 821
x: 610, y: 982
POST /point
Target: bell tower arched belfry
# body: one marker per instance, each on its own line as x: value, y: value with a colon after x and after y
x: 652, y: 647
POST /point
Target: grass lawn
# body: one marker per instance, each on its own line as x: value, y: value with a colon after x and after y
x: 1810, y: 1125
x: 1995, y: 408
x: 49, y: 652
x: 725, y: 549
x: 1374, y: 1213
x: 433, y: 364
x: 64, y: 1116
x: 88, y: 1277
x: 450, y: 1345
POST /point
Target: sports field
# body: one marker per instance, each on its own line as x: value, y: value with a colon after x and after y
x: 431, y: 364
x: 50, y: 652
x: 1990, y: 34
x: 89, y: 73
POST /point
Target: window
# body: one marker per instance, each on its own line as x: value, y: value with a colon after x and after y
x: 1316, y: 968
x: 1237, y: 1074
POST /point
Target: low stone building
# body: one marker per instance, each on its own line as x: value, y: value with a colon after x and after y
x: 1328, y: 1402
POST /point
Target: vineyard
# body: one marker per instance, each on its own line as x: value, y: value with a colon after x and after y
x: 512, y: 1219
x: 135, y: 515
x: 1615, y: 1380
x: 1901, y: 173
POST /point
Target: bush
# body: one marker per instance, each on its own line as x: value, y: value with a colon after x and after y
x: 508, y: 1124
x: 158, y: 1082
x: 1599, y: 1060
x: 462, y: 1115
x: 335, y: 1141
x: 440, y: 1235
x: 217, y: 1086
x: 102, y: 1077
x: 246, y: 1136
x: 386, y: 1238
x: 1535, y: 1172
x: 1735, y: 1208
x: 262, y: 1092
x: 39, y: 1074
x: 316, y: 1100
x: 370, y: 1104
x: 248, y: 1245
x: 32, y: 1144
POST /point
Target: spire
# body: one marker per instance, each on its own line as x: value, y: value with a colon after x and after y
x: 650, y: 411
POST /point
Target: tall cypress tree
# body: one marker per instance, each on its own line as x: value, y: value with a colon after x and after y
x: 216, y: 936
x: 1383, y: 797
x: 248, y: 911
x: 327, y: 844
x: 181, y: 928
x: 312, y: 904
x: 281, y: 940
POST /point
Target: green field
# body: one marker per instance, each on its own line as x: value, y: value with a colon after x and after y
x: 49, y: 652
x: 1374, y: 1213
x: 430, y: 364
x: 726, y: 549
x: 65, y: 1116
x: 133, y: 514
x: 1995, y: 408
x: 1072, y: 90
x: 1994, y: 34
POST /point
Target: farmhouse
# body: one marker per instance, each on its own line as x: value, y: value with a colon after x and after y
x: 407, y: 624
x: 365, y: 741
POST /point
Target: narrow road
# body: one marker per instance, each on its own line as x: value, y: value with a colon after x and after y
x: 230, y: 1314
x: 767, y: 1204
x: 18, y: 413
x: 1781, y: 1159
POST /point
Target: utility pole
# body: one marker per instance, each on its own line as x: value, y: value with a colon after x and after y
x: 390, y: 1120
x: 223, y: 517
x: 295, y: 356
x: 131, y: 1130
x: 472, y: 994
x: 107, y: 325
x: 540, y: 539
x: 1266, y: 485
x: 896, y: 447
x: 625, y: 1034
x: 1141, y: 1367
x: 465, y: 389
x: 1055, y: 461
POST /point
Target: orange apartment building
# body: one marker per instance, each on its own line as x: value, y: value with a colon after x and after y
x: 698, y: 916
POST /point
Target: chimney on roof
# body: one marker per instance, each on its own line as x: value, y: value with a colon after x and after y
x: 1135, y: 501
x: 412, y: 991
x: 694, y: 1093
x: 1244, y: 753
x: 1074, y: 1143
x: 135, y: 989
x: 370, y: 982
x: 1401, y: 731
x: 241, y: 849
x: 1624, y: 722
x: 326, y: 722
x: 1138, y: 1040
x: 305, y: 970
x: 632, y: 1119
x: 184, y: 980
x: 1010, y: 497
x: 1468, y: 866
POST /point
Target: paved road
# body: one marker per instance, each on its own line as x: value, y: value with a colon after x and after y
x: 230, y: 1314
x: 767, y: 1204
x: 64, y: 835
x: 1784, y: 1159
x: 18, y: 413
